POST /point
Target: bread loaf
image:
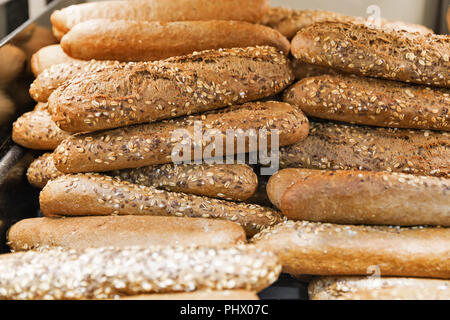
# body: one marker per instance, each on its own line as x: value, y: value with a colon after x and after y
x: 106, y: 273
x: 36, y: 130
x: 372, y: 102
x: 145, y: 92
x: 291, y: 21
x: 309, y: 248
x: 148, y: 41
x: 345, y: 147
x: 42, y: 170
x: 122, y: 231
x: 50, y: 79
x: 151, y: 144
x: 360, y: 288
x: 160, y: 10
x: 363, y: 197
x: 199, y: 295
x: 366, y: 51
x: 47, y: 57
x: 12, y: 63
x: 96, y: 195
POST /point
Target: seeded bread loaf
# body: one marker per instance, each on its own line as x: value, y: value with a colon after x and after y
x: 42, y: 170
x: 363, y: 197
x: 50, y: 79
x: 96, y: 195
x: 363, y: 288
x: 373, y: 102
x: 366, y: 51
x: 149, y: 41
x: 12, y: 63
x: 122, y: 231
x: 36, y: 130
x: 291, y: 21
x: 309, y: 248
x: 346, y: 147
x: 234, y: 295
x: 145, y: 92
x: 155, y: 143
x: 306, y: 70
x: 47, y: 57
x: 160, y: 10
x: 106, y: 273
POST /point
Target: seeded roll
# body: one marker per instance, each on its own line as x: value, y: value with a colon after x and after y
x: 372, y: 102
x: 157, y: 143
x: 159, y: 10
x: 106, y: 273
x: 50, y: 79
x: 36, y: 130
x: 147, y: 92
x: 346, y: 147
x: 308, y: 248
x: 359, y: 288
x: 48, y: 56
x: 42, y: 170
x: 122, y: 231
x: 199, y: 295
x: 97, y: 195
x: 148, y: 41
x: 366, y: 51
x: 362, y: 197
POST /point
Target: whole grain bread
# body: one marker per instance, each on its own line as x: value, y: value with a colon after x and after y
x: 363, y: 197
x: 106, y: 273
x: 160, y: 10
x: 347, y: 147
x: 156, y: 143
x: 146, y: 92
x: 309, y: 248
x: 373, y: 102
x: 36, y: 130
x: 42, y: 170
x: 366, y: 51
x: 48, y: 56
x: 96, y: 195
x: 122, y: 231
x: 149, y: 41
x: 373, y: 288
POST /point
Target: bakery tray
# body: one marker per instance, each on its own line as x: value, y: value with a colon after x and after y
x: 18, y: 200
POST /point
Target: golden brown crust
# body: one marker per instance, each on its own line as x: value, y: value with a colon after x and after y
x: 36, y: 130
x: 359, y: 288
x: 149, y: 41
x: 122, y: 231
x: 359, y: 49
x: 42, y: 170
x: 47, y: 57
x: 373, y: 102
x: 12, y: 63
x: 326, y: 249
x: 151, y: 144
x: 362, y: 197
x: 88, y: 195
x: 235, y: 295
x: 144, y: 92
x: 346, y: 147
x: 107, y: 273
x: 160, y: 10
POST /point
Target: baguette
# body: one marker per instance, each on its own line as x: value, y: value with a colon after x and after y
x: 106, y: 273
x: 359, y: 49
x: 160, y: 10
x: 341, y: 147
x: 12, y: 63
x: 233, y: 182
x: 363, y: 197
x: 291, y: 21
x: 149, y: 41
x: 146, y: 92
x: 309, y: 248
x: 47, y: 57
x: 50, y: 79
x: 36, y: 130
x: 359, y: 288
x: 122, y: 231
x: 154, y: 143
x: 235, y: 295
x: 372, y: 102
x: 88, y: 195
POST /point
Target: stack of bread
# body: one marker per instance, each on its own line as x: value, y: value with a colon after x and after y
x: 121, y: 220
